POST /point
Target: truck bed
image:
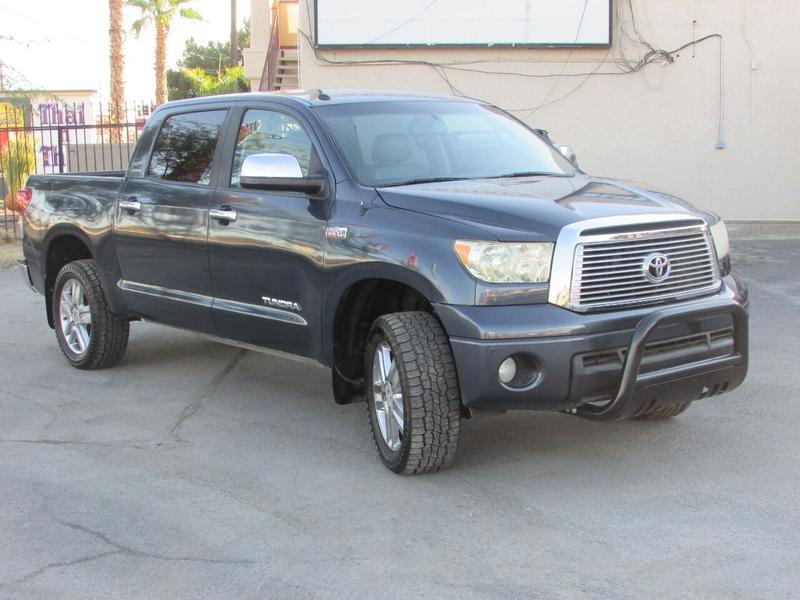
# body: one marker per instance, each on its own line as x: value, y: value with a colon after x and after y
x: 57, y: 180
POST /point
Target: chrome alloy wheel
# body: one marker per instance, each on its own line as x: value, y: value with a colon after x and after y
x: 76, y: 317
x: 387, y: 396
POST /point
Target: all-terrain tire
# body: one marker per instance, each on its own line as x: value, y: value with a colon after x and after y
x: 109, y: 333
x: 667, y: 412
x: 429, y: 384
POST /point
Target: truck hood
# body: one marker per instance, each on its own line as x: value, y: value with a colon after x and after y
x: 532, y: 208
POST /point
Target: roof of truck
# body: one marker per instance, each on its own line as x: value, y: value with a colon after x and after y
x: 327, y: 96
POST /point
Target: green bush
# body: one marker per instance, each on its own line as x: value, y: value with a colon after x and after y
x: 192, y: 83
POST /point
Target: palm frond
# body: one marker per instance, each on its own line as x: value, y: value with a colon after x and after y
x: 146, y: 6
x: 139, y: 24
x: 190, y: 13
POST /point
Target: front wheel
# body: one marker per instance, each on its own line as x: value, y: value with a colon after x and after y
x: 89, y: 334
x: 413, y: 398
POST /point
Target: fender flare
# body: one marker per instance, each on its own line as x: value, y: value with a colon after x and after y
x: 61, y: 230
x: 340, y: 282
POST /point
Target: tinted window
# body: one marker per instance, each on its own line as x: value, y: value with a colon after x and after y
x: 389, y: 143
x: 184, y: 149
x: 269, y: 131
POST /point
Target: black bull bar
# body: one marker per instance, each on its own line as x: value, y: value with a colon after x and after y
x: 636, y: 391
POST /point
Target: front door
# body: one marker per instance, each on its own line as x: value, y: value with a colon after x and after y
x: 161, y: 224
x: 266, y: 265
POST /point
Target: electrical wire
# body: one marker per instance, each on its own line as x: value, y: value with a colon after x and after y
x: 528, y: 112
x: 404, y: 23
x: 564, y: 66
x: 623, y: 65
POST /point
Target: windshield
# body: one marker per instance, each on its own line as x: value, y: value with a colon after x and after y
x: 395, y: 143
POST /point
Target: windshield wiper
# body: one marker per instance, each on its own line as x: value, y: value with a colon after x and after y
x: 527, y: 174
x: 423, y: 180
x: 507, y: 175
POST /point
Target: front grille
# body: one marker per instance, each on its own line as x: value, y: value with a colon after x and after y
x: 612, y: 271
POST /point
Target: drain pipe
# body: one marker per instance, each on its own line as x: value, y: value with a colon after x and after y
x: 720, y: 64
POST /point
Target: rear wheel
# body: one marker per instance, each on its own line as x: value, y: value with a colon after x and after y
x: 667, y: 412
x: 413, y: 398
x: 89, y: 335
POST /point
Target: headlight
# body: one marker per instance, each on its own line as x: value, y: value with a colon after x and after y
x: 506, y: 262
x: 719, y: 233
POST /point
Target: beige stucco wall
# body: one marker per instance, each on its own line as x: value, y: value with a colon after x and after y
x: 256, y: 54
x: 658, y: 125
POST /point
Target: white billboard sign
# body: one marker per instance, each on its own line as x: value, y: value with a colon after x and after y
x: 420, y: 23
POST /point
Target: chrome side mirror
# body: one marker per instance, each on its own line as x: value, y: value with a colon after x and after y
x: 271, y: 165
x: 279, y: 173
x: 568, y: 152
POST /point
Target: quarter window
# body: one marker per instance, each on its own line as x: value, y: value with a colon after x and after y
x: 184, y: 149
x: 269, y: 131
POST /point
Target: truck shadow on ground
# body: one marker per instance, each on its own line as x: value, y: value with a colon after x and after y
x: 280, y: 395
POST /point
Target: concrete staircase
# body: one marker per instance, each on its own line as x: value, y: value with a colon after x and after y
x: 287, y: 77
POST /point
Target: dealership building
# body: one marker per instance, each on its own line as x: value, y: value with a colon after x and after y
x: 698, y: 99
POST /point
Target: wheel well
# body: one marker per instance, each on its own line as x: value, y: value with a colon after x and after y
x: 359, y: 306
x: 61, y: 251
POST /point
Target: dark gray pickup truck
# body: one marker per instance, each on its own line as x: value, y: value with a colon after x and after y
x: 443, y: 259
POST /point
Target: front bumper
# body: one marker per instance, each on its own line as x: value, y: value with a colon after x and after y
x: 609, y: 365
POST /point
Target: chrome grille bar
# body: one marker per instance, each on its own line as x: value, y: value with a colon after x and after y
x: 607, y: 261
x: 609, y: 274
x: 689, y: 246
x: 615, y: 285
x: 635, y: 260
x: 636, y: 290
x: 634, y: 273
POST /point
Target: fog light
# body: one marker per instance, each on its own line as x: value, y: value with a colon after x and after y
x: 519, y: 371
x: 507, y: 370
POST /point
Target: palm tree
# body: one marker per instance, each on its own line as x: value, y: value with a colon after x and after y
x: 117, y: 52
x: 234, y: 34
x: 160, y: 14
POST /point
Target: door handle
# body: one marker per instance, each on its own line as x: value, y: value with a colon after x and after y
x: 132, y: 205
x: 226, y: 213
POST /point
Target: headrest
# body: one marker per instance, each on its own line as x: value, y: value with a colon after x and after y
x: 391, y: 148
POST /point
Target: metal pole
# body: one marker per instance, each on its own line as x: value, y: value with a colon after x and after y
x: 720, y: 70
x: 60, y: 149
x: 234, y: 35
x: 102, y: 138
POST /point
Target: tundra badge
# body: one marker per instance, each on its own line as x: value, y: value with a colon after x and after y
x: 278, y: 303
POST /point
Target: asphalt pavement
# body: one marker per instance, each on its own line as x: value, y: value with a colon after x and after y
x: 196, y: 470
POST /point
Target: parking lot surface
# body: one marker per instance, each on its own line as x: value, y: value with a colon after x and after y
x: 196, y: 470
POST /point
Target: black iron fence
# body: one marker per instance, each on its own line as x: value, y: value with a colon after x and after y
x: 58, y: 137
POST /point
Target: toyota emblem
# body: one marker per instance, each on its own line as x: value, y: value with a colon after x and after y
x: 656, y: 267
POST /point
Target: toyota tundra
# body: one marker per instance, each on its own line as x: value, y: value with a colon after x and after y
x: 442, y: 258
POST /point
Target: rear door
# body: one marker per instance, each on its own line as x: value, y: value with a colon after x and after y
x: 161, y: 223
x: 266, y: 265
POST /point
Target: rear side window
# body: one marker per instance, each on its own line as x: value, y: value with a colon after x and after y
x: 184, y: 149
